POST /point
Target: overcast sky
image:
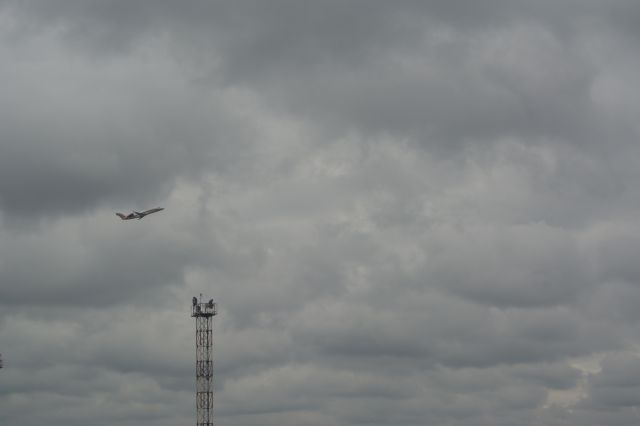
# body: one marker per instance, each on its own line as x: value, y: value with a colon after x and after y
x: 409, y: 212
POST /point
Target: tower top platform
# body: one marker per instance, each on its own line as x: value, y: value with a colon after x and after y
x: 203, y: 309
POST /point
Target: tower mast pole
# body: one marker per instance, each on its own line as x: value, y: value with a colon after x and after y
x: 204, y: 312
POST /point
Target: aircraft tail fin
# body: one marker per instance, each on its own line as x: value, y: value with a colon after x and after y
x: 121, y: 216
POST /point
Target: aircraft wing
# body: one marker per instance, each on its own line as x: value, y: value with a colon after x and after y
x: 124, y: 217
x: 157, y: 209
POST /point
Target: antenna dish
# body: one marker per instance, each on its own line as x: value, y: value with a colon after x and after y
x: 211, y: 303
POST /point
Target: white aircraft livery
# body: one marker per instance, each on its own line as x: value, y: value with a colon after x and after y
x: 138, y: 215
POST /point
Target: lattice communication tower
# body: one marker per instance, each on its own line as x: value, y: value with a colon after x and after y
x: 204, y: 312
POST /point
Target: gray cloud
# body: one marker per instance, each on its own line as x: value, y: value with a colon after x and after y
x: 101, y: 133
x: 409, y: 213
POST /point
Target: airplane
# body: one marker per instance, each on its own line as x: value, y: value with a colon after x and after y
x: 138, y: 215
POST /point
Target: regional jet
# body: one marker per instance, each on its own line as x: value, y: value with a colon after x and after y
x: 138, y: 215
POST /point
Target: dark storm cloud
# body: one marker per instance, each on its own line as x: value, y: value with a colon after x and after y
x: 117, y: 133
x: 616, y: 258
x: 67, y: 271
x: 409, y: 212
x: 617, y: 384
x: 442, y: 331
x: 537, y: 267
x: 440, y: 73
x: 612, y: 393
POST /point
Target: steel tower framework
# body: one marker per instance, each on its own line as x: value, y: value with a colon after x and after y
x: 204, y: 312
